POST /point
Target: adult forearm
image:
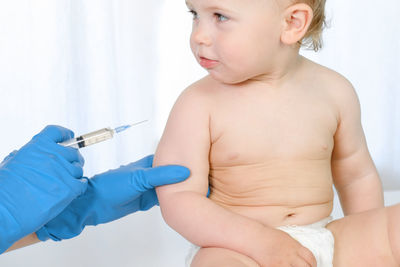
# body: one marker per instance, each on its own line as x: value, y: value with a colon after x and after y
x: 207, y: 224
x: 26, y: 241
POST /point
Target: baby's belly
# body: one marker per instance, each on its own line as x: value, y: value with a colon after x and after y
x: 297, y: 195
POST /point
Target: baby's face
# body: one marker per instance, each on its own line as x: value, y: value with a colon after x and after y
x: 235, y: 40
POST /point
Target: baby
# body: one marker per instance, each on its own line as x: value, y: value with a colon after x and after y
x: 270, y: 133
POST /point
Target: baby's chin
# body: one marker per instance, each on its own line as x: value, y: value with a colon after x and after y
x: 229, y: 79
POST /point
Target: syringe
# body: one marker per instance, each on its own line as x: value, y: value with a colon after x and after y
x: 96, y: 136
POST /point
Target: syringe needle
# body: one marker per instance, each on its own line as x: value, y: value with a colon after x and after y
x: 136, y: 123
x: 124, y: 127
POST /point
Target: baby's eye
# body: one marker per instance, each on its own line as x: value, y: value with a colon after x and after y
x: 194, y: 14
x: 220, y: 17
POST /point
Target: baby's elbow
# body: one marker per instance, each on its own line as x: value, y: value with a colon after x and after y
x: 175, y: 205
x: 166, y: 201
x: 170, y: 206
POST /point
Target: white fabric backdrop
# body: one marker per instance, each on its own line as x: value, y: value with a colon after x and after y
x: 95, y: 63
x: 85, y: 65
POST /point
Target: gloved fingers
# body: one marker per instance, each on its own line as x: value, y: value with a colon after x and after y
x: 148, y: 200
x: 56, y: 161
x: 146, y: 179
x: 79, y: 158
x: 55, y: 133
x: 146, y: 162
x: 48, y: 138
x: 42, y: 234
x: 81, y: 186
x: 56, y: 155
x: 51, y: 155
x: 75, y: 169
x: 77, y: 187
x: 70, y: 154
x: 10, y: 156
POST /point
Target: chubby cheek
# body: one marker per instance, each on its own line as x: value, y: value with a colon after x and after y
x: 238, y: 58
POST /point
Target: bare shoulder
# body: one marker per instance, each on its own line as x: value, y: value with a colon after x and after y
x: 329, y: 78
x: 201, y: 90
x: 339, y: 88
x: 196, y: 102
x: 193, y: 105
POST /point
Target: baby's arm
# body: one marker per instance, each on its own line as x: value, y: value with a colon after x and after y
x: 355, y: 176
x: 185, y: 207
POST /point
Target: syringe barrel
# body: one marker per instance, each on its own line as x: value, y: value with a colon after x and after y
x: 90, y: 138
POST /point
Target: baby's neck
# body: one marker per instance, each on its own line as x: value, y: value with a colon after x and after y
x: 284, y: 71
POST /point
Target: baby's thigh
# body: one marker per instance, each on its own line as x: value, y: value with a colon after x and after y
x: 362, y: 240
x: 220, y: 257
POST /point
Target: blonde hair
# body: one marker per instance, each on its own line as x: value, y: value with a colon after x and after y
x: 313, y: 37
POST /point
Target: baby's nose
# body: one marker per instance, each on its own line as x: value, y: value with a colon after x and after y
x: 201, y: 35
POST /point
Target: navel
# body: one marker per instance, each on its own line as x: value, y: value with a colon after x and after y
x: 291, y: 215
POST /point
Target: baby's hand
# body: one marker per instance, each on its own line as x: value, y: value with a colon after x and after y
x: 281, y: 250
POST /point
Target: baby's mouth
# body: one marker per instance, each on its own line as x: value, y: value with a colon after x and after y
x: 207, y: 63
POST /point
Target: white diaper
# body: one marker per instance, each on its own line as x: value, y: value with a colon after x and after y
x: 192, y: 252
x: 315, y: 237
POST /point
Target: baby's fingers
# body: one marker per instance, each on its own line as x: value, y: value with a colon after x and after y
x: 307, y: 256
x: 299, y: 262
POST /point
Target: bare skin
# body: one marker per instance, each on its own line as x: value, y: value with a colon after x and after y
x: 368, y: 239
x: 275, y: 177
x: 273, y: 170
x: 270, y: 132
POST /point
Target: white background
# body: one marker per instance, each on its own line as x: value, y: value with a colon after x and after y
x: 94, y: 63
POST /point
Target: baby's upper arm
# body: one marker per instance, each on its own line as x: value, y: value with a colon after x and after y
x: 186, y: 141
x: 350, y: 159
x: 349, y: 134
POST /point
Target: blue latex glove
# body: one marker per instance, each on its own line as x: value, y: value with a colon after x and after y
x: 37, y: 183
x: 112, y: 195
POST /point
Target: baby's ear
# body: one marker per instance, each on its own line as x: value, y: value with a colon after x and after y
x: 298, y: 18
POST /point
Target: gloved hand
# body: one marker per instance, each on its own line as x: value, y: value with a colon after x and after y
x: 37, y: 183
x: 112, y: 195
